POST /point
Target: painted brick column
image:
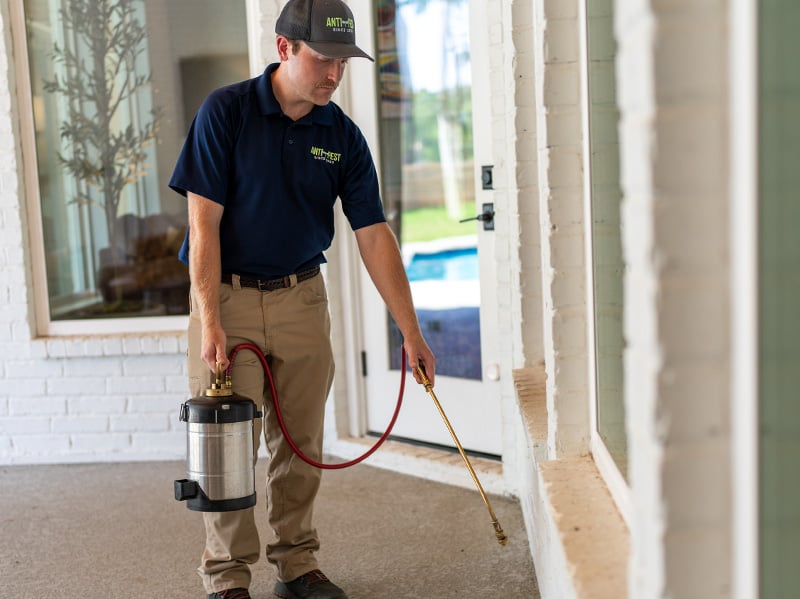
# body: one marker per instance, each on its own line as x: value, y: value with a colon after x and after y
x: 14, y: 284
x: 561, y: 210
x: 261, y: 17
x: 522, y: 235
x: 672, y: 74
x: 12, y: 304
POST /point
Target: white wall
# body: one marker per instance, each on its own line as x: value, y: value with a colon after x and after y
x: 672, y: 74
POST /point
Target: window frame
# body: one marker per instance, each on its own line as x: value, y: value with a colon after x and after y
x: 617, y: 485
x: 30, y: 196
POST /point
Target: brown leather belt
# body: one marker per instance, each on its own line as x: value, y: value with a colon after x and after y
x: 273, y: 284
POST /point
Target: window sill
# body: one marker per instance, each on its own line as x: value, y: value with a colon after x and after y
x: 111, y: 344
x: 579, y: 541
x: 117, y: 327
x: 592, y: 534
x: 532, y: 397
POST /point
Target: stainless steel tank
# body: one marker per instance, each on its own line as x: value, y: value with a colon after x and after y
x: 220, y: 462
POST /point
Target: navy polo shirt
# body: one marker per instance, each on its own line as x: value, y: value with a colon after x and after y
x: 278, y: 179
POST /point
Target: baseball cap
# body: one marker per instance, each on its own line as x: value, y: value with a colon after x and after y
x: 326, y: 26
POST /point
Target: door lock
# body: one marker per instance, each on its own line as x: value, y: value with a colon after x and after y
x: 486, y: 217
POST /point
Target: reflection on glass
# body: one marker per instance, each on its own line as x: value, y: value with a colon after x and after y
x: 427, y: 171
x: 106, y: 139
x: 778, y: 297
x: 607, y: 256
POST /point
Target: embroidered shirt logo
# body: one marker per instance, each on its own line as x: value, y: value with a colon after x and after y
x: 340, y: 25
x: 326, y: 155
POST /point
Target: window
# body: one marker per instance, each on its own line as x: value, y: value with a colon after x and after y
x: 778, y: 297
x: 609, y: 439
x: 114, y: 85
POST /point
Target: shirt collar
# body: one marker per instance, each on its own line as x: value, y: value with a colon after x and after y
x: 269, y: 105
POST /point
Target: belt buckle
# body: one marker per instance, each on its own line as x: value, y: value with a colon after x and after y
x: 263, y: 285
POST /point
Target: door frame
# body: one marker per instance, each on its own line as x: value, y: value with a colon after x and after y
x: 351, y: 274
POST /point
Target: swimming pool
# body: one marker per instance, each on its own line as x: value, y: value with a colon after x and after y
x: 446, y: 291
x: 445, y: 265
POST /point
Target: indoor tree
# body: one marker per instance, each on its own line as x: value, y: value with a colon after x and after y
x: 98, y: 80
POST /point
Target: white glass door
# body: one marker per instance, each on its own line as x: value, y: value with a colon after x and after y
x: 431, y: 154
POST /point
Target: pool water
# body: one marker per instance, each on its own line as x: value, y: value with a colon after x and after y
x: 446, y: 292
x: 446, y: 265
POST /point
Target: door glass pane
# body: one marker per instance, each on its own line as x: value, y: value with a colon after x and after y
x: 608, y: 262
x: 427, y: 174
x: 114, y: 83
x: 779, y: 297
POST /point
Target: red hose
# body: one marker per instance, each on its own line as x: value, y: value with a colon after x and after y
x: 282, y: 424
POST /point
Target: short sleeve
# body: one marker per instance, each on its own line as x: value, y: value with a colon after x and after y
x: 204, y: 164
x: 360, y: 192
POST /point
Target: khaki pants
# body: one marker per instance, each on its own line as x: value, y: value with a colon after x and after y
x: 292, y: 328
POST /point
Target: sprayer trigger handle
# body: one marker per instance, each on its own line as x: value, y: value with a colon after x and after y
x: 425, y: 380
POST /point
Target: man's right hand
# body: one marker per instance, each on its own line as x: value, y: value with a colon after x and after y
x: 213, y: 346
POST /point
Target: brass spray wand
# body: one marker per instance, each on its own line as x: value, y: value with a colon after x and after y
x: 498, y: 531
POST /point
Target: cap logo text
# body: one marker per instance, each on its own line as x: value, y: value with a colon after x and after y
x: 340, y: 25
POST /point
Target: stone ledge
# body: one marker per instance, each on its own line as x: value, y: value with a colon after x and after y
x: 532, y: 398
x: 592, y: 533
x: 439, y: 465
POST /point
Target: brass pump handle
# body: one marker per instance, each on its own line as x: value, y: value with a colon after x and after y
x: 218, y: 388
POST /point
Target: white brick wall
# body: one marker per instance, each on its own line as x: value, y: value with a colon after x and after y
x: 672, y: 78
x: 561, y: 208
x: 78, y: 398
x: 83, y: 401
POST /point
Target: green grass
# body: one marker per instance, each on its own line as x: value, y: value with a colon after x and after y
x: 426, y: 224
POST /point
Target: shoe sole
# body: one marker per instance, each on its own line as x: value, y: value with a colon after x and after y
x: 276, y: 595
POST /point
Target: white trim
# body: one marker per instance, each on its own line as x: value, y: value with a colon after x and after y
x: 363, y: 305
x: 118, y: 326
x: 587, y: 216
x: 253, y: 14
x: 29, y: 187
x: 360, y: 76
x: 744, y: 295
x: 616, y: 483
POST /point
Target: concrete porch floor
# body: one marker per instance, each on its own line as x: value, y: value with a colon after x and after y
x: 104, y: 531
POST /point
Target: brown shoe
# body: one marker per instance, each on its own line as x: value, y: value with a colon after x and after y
x: 238, y: 593
x: 311, y: 585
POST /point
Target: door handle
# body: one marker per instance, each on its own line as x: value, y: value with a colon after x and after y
x: 486, y: 217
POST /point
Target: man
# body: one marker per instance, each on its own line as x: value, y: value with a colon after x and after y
x: 262, y: 166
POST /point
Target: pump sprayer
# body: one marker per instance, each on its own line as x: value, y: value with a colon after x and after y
x: 220, y: 460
